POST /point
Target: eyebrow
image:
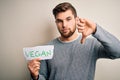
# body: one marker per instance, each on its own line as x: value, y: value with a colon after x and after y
x: 69, y: 17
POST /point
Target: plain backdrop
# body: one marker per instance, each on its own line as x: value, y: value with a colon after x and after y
x: 27, y: 23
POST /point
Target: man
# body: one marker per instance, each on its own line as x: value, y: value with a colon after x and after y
x: 74, y: 55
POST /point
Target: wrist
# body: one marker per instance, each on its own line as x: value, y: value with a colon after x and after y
x: 35, y: 77
x: 95, y: 29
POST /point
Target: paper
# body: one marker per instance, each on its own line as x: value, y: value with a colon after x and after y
x: 42, y: 52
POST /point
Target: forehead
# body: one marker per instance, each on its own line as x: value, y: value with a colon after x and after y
x: 64, y: 15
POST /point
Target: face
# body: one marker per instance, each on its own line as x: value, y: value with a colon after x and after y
x: 66, y: 23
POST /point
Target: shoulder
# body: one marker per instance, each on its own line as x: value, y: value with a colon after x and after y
x: 54, y: 41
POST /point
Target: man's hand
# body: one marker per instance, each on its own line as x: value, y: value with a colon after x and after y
x: 34, y: 66
x: 86, y: 27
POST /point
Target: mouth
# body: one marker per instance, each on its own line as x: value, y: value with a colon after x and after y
x: 65, y: 30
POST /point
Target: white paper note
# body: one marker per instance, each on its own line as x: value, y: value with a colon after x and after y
x: 42, y: 52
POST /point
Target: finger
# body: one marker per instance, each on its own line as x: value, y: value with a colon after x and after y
x: 81, y: 29
x: 33, y: 63
x: 35, y: 71
x: 82, y: 20
x: 36, y: 65
x: 34, y: 68
x: 79, y: 24
x: 83, y: 39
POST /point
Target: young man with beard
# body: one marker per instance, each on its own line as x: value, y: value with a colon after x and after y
x: 75, y: 55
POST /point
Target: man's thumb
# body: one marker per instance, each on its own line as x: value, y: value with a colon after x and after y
x: 83, y: 39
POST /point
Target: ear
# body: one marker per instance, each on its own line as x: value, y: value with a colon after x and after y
x: 77, y: 20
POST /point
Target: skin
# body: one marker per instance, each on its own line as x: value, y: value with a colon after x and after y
x: 67, y: 25
x: 34, y: 67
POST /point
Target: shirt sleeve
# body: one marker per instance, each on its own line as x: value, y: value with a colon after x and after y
x: 109, y: 44
x: 40, y: 77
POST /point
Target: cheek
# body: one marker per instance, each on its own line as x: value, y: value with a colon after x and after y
x: 72, y: 23
x: 59, y: 26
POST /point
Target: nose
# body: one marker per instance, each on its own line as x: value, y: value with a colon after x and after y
x: 64, y: 24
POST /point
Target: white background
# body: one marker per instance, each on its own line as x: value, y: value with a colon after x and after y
x: 27, y: 23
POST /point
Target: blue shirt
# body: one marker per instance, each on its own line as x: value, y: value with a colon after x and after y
x: 76, y: 61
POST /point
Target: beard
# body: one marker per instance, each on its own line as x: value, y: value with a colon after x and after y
x: 69, y: 33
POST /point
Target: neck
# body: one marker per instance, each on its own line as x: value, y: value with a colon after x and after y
x: 71, y: 38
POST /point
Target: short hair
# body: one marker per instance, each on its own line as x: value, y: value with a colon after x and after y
x: 62, y: 7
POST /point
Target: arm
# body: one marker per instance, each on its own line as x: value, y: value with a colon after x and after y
x: 110, y: 44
